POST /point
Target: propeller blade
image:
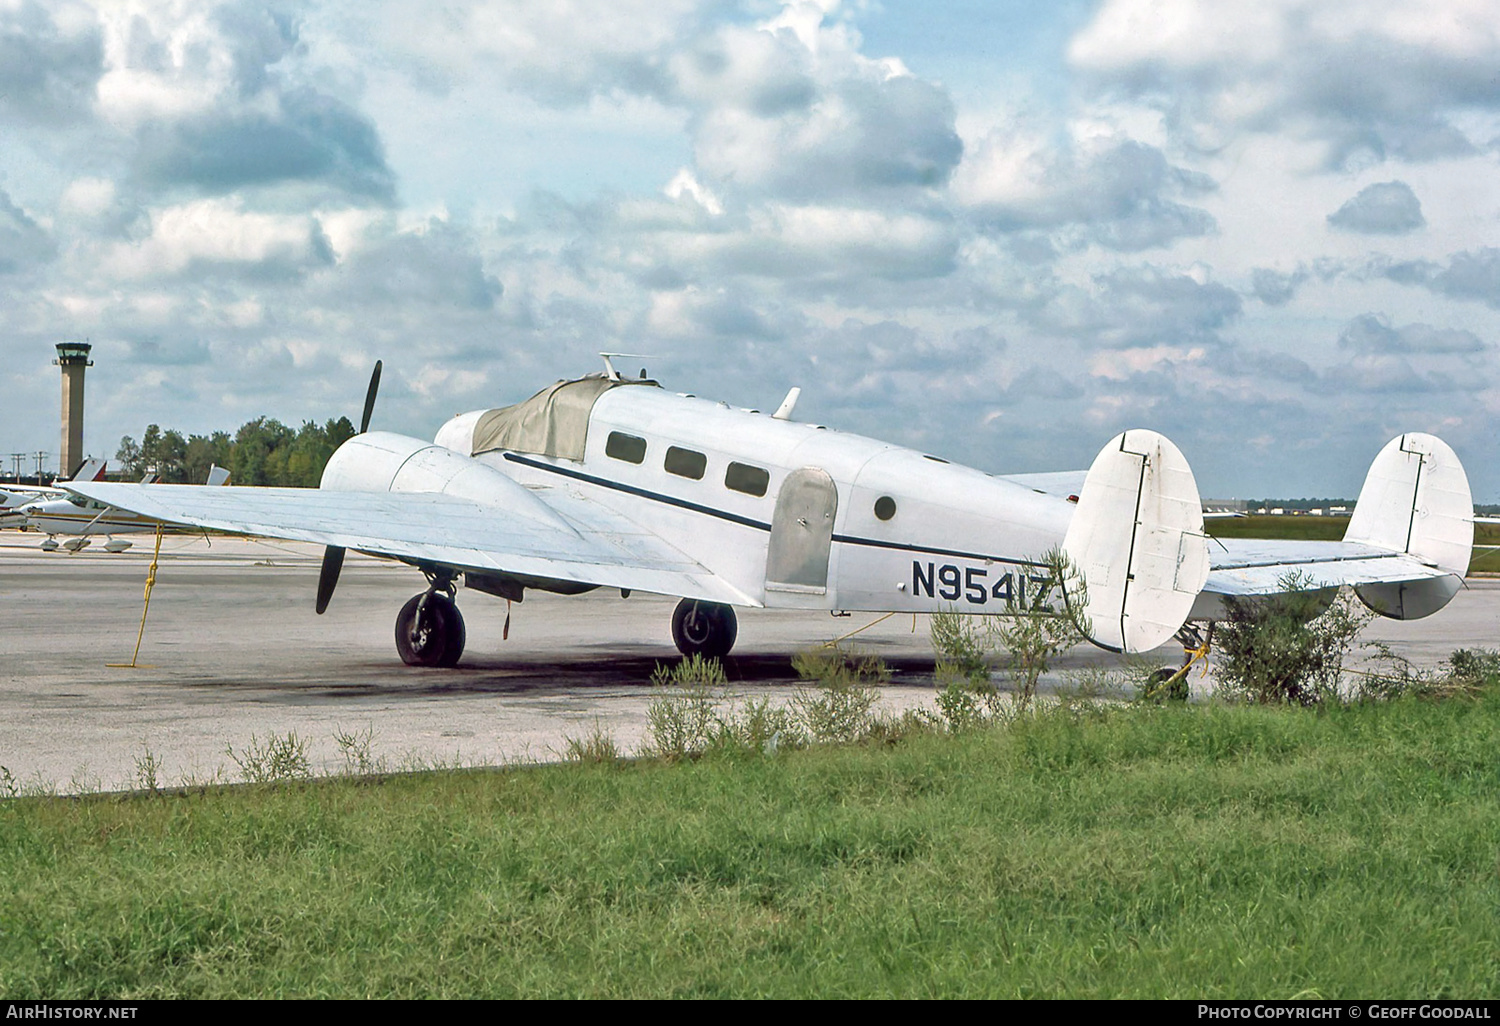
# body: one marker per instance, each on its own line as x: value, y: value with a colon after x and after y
x: 364, y: 421
x: 328, y: 577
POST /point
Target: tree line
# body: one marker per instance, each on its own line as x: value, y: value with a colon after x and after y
x: 262, y: 452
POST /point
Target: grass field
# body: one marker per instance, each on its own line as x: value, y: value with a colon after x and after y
x: 1143, y: 852
x: 1305, y: 528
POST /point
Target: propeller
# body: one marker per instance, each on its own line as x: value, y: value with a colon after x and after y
x: 364, y: 420
x: 328, y: 577
x: 333, y: 555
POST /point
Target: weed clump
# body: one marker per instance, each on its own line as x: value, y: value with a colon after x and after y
x: 594, y: 748
x: 356, y: 748
x: 838, y: 711
x: 147, y: 770
x: 683, y: 719
x: 680, y: 718
x: 279, y: 757
x: 1469, y: 674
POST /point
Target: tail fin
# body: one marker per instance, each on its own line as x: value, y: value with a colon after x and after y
x: 1416, y: 500
x: 90, y: 470
x: 1138, y: 539
x: 217, y: 475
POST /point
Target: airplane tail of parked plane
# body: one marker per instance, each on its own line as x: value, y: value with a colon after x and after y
x: 1138, y: 540
x: 1415, y: 500
x: 91, y: 470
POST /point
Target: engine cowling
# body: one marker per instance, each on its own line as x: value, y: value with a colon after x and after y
x: 379, y: 461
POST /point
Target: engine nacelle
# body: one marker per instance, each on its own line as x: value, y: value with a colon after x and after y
x: 379, y: 461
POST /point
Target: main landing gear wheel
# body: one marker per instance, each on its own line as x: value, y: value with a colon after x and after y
x: 430, y: 631
x: 704, y: 628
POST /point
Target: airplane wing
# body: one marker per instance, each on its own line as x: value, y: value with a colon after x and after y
x: 1062, y: 482
x: 581, y: 542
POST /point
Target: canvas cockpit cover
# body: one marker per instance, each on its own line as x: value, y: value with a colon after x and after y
x: 554, y: 422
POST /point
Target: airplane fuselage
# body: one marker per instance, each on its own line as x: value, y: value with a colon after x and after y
x: 78, y: 517
x: 795, y: 515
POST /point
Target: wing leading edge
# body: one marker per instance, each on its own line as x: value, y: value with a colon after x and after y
x: 586, y: 544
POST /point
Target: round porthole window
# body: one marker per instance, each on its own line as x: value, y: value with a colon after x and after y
x: 885, y: 507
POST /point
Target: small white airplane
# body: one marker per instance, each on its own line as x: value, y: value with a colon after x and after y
x: 81, y: 518
x: 606, y: 481
x: 14, y: 497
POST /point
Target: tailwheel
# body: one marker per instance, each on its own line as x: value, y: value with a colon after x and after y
x: 704, y: 628
x: 430, y: 631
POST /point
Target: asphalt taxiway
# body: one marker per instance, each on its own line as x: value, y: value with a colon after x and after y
x: 233, y: 651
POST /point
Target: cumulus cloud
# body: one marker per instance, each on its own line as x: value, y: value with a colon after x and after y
x: 51, y: 59
x: 221, y: 238
x: 1144, y: 307
x: 1373, y: 333
x: 795, y: 110
x: 561, y: 53
x: 212, y: 101
x: 24, y: 244
x: 1382, y: 78
x: 434, y: 265
x: 826, y: 243
x: 309, y: 137
x: 1117, y: 193
x: 1471, y: 274
x: 1386, y: 208
x: 1274, y: 288
x: 751, y: 195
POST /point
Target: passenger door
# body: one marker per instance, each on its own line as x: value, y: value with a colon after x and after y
x: 802, y: 533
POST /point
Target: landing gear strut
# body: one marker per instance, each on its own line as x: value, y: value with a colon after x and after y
x: 430, y: 629
x: 704, y: 628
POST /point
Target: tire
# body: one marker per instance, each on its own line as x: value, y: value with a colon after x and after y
x: 1161, y: 691
x: 704, y: 628
x: 438, y: 640
x: 457, y: 636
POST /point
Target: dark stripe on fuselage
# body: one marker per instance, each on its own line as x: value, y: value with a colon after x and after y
x: 578, y: 475
x: 760, y: 525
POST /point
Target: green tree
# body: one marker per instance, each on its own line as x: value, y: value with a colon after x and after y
x: 205, y: 452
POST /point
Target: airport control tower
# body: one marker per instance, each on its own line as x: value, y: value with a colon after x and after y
x: 73, y: 358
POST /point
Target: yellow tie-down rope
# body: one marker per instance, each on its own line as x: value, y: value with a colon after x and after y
x: 1194, y: 655
x: 150, y: 583
x: 835, y: 642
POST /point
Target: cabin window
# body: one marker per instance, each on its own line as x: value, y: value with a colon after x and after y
x: 885, y: 507
x: 625, y: 447
x: 747, y: 479
x: 685, y: 463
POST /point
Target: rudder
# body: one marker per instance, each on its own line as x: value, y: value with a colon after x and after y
x: 1415, y: 500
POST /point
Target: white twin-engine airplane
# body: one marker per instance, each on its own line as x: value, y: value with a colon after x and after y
x: 610, y: 482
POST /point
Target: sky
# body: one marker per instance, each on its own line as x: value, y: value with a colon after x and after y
x: 1000, y: 232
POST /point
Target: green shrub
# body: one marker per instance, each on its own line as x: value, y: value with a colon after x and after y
x: 1288, y: 648
x: 680, y: 716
